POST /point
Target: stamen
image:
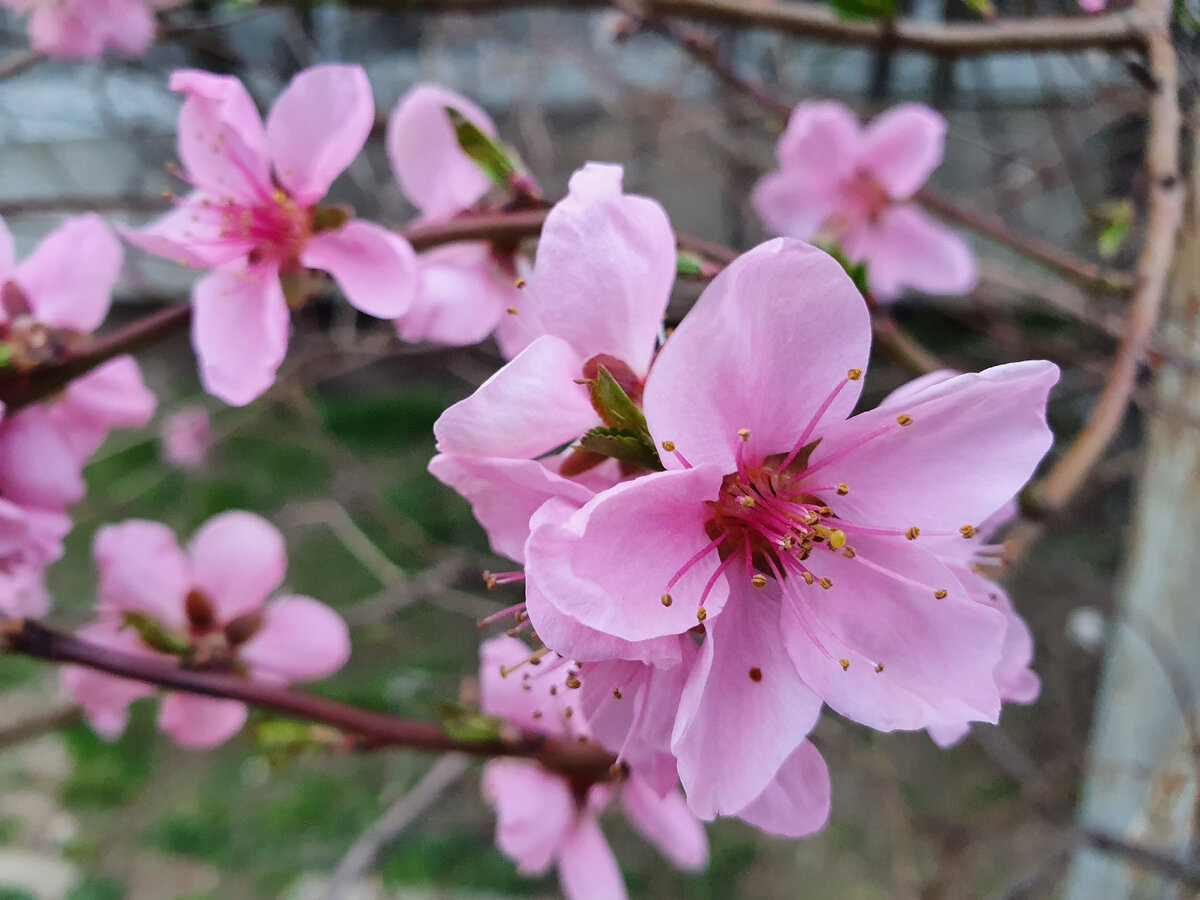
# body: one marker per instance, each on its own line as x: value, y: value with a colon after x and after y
x: 967, y: 531
x: 821, y: 410
x: 913, y: 533
x: 759, y: 580
x: 669, y: 446
x: 667, y: 600
x: 904, y: 420
x: 533, y: 659
x: 516, y: 609
x: 712, y: 545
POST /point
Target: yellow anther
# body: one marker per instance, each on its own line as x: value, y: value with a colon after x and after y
x: 837, y: 539
x: 667, y: 600
x: 808, y: 577
x: 512, y: 310
x: 669, y: 446
x: 913, y: 533
x: 574, y: 683
x: 845, y: 664
x: 520, y: 282
x: 759, y: 580
x: 279, y: 196
x: 854, y: 374
x: 967, y: 531
x: 744, y: 434
x: 804, y: 553
x: 849, y: 552
x: 903, y: 419
x: 940, y: 593
x: 843, y: 490
x: 570, y: 712
x: 826, y: 583
x: 701, y: 614
x: 879, y: 667
x: 824, y: 511
x: 746, y: 502
x: 787, y: 543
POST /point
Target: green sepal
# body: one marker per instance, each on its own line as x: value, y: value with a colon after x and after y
x: 153, y: 634
x: 689, y: 265
x: 281, y: 740
x: 863, y: 9
x: 466, y: 724
x: 626, y: 446
x: 984, y: 8
x: 330, y: 218
x: 6, y: 355
x: 1115, y: 220
x: 856, y: 271
x: 614, y: 405
x: 496, y: 161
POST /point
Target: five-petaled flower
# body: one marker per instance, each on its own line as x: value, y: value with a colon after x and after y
x: 853, y: 186
x: 85, y: 29
x: 254, y: 216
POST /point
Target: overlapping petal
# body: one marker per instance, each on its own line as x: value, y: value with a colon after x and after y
x: 300, y: 639
x: 238, y: 559
x: 375, y: 268
x: 142, y: 570
x: 69, y: 277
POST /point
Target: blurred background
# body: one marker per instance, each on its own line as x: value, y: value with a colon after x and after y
x: 335, y: 455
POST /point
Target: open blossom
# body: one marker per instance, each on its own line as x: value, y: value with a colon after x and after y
x: 794, y: 535
x: 186, y: 437
x: 465, y: 288
x: 50, y: 301
x: 596, y: 297
x: 85, y: 29
x: 206, y: 608
x: 541, y: 819
x: 853, y: 186
x: 254, y: 218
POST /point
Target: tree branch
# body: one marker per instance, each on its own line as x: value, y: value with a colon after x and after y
x: 582, y: 762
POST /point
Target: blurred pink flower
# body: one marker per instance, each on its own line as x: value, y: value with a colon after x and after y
x: 749, y: 399
x: 212, y: 603
x: 253, y: 216
x: 465, y: 288
x: 852, y: 186
x: 85, y: 29
x: 596, y: 296
x: 1093, y: 6
x: 541, y: 820
x: 186, y: 437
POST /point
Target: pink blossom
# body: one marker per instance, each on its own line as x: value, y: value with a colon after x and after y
x: 85, y: 29
x: 853, y: 186
x: 186, y: 437
x: 596, y: 297
x: 1092, y: 6
x: 749, y: 400
x: 464, y: 288
x: 254, y: 218
x: 541, y: 821
x: 212, y: 604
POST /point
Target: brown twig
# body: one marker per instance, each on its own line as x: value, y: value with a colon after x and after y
x: 59, y: 717
x: 582, y: 761
x: 1164, y: 216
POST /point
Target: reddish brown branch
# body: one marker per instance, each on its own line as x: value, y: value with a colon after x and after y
x: 585, y: 762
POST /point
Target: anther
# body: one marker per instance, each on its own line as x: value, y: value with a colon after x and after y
x: 669, y: 446
x: 759, y: 580
x: 845, y: 664
x: 744, y: 434
x: 849, y: 552
x: 573, y: 683
x: 837, y: 539
x: 554, y: 690
x: 756, y: 674
x: 826, y: 583
x: 967, y: 531
x: 904, y: 419
x: 913, y: 533
x: 701, y: 614
x: 746, y: 502
x: 520, y: 282
x: 940, y: 593
x: 667, y: 599
x: 808, y: 577
x: 512, y: 310
x: 617, y: 693
x: 842, y: 490
x: 570, y: 712
x: 824, y: 511
x: 537, y: 714
x: 854, y: 374
x: 879, y: 667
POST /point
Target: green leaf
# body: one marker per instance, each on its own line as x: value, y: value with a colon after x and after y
x: 1114, y: 220
x: 626, y: 446
x: 154, y: 635
x: 615, y: 407
x: 466, y: 724
x: 689, y: 264
x: 856, y: 271
x: 493, y: 159
x: 863, y: 9
x: 983, y: 8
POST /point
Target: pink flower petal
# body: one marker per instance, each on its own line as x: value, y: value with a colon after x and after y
x: 655, y: 527
x: 744, y: 710
x: 938, y: 654
x: 667, y: 823
x: 902, y: 146
x: 529, y: 407
x: 143, y: 570
x: 523, y: 696
x: 69, y: 277
x: 38, y: 466
x: 434, y: 173
x: 505, y: 493
x: 192, y: 234
x: 240, y: 328
x: 105, y: 698
x: 763, y: 349
x: 904, y: 248
x: 587, y: 869
x: 317, y: 126
x: 797, y: 802
x: 301, y: 639
x: 200, y: 723
x: 221, y: 138
x: 792, y: 203
x: 973, y: 442
x: 238, y: 559
x: 822, y: 141
x: 534, y: 810
x: 375, y: 268
x: 8, y: 255
x: 604, y: 270
x: 112, y: 395
x: 947, y: 734
x: 462, y: 297
x: 187, y: 437
x: 14, y: 528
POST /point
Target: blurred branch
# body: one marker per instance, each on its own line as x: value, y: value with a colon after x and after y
x: 60, y: 716
x: 585, y: 763
x: 1164, y: 216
